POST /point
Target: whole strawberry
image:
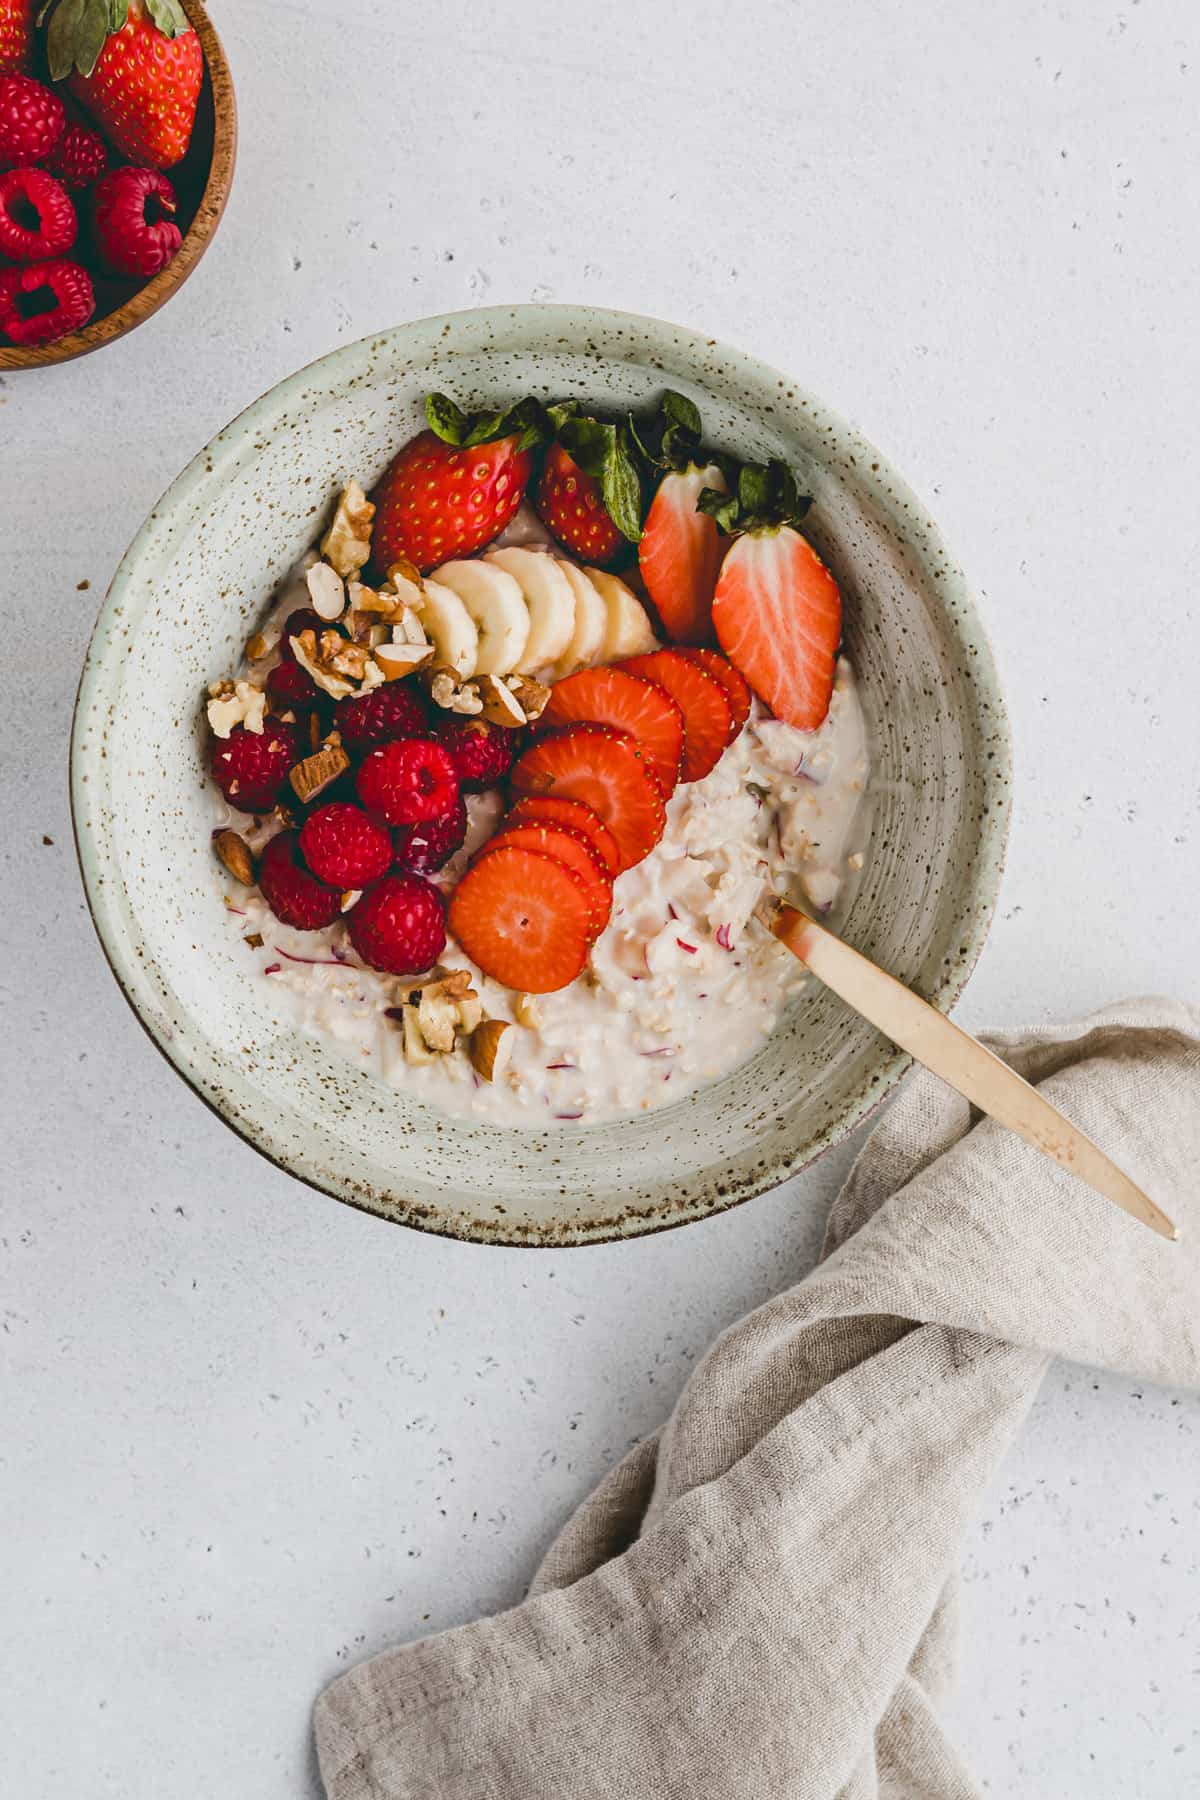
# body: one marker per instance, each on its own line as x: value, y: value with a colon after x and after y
x: 455, y: 487
x: 44, y: 302
x: 590, y: 493
x: 136, y: 233
x: 32, y: 119
x: 16, y: 35
x: 137, y: 66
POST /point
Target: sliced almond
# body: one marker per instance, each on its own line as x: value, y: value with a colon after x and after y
x: 408, y: 629
x: 312, y: 776
x: 500, y: 704
x: 234, y: 853
x: 491, y: 1048
x: 399, y: 660
x: 350, y: 898
x: 327, y: 591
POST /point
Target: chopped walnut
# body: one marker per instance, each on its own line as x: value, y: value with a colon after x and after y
x: 259, y: 646
x: 448, y: 690
x: 347, y: 543
x: 528, y: 1012
x: 437, y: 1013
x: 236, y: 703
x: 336, y: 664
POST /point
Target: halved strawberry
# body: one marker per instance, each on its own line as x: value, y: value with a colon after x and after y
x: 556, y: 809
x: 455, y: 487
x: 629, y: 703
x: 568, y: 847
x: 707, y: 714
x: 777, y: 610
x: 681, y: 551
x: 590, y: 493
x: 606, y: 770
x: 524, y: 918
x: 737, y: 689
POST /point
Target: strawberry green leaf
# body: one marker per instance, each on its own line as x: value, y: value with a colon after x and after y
x: 560, y: 412
x: 754, y: 488
x: 168, y: 15
x: 621, y: 486
x: 528, y: 420
x: 721, y: 507
x: 446, y: 419
x: 678, y: 410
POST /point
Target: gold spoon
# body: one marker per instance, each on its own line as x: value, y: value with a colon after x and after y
x: 956, y: 1057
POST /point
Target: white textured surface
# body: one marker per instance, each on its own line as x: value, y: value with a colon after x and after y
x: 249, y: 1435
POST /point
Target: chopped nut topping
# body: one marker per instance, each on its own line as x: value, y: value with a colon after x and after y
x: 236, y: 703
x: 527, y: 1010
x: 416, y: 1050
x: 327, y: 591
x: 448, y: 690
x: 350, y: 898
x: 312, y: 776
x: 438, y: 1010
x: 254, y: 939
x: 335, y: 664
x: 233, y: 852
x: 286, y: 816
x: 491, y: 1048
x: 347, y: 543
x: 257, y: 647
x: 399, y: 660
x: 500, y: 704
x: 533, y: 697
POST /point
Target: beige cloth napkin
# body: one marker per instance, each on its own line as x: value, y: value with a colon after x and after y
x: 758, y: 1604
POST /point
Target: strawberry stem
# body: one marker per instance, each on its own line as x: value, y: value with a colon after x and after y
x: 763, y: 495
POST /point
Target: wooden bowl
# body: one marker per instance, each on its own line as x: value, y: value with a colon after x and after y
x: 202, y: 181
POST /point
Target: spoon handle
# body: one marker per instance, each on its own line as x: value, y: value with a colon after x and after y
x: 958, y: 1059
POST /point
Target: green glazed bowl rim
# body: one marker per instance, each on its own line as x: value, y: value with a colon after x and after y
x: 120, y: 615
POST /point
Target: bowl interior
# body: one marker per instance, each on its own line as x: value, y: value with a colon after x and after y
x: 188, y: 595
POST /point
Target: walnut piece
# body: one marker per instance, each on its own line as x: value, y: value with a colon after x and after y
x: 347, y: 543
x: 236, y: 703
x: 233, y: 852
x: 527, y: 1010
x: 438, y: 1011
x: 447, y: 689
x: 319, y: 771
x: 336, y: 664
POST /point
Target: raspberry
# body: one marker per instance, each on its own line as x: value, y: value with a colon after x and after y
x: 134, y: 218
x: 44, y: 301
x: 79, y: 158
x: 400, y: 926
x: 427, y: 846
x: 250, y: 768
x: 290, y: 685
x: 481, y: 753
x: 345, y: 848
x: 293, y: 895
x: 408, y: 781
x: 304, y: 619
x: 32, y: 119
x: 388, y: 712
x: 37, y: 220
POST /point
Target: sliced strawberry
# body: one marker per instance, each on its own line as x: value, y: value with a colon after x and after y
x: 607, y: 771
x: 778, y: 618
x: 737, y: 690
x: 571, y: 849
x: 707, y: 714
x: 555, y: 809
x: 524, y: 918
x: 680, y: 553
x: 628, y: 703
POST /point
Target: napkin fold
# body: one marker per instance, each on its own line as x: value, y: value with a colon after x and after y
x: 759, y: 1601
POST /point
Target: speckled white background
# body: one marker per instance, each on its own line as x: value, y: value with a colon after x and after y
x: 249, y: 1435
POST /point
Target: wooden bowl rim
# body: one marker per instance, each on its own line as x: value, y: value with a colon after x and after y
x: 200, y: 233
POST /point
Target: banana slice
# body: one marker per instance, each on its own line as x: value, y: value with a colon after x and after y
x: 629, y: 632
x: 449, y: 627
x: 496, y: 604
x: 549, y: 597
x: 590, y: 627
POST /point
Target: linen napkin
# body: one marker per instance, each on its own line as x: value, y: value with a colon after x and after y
x: 759, y: 1601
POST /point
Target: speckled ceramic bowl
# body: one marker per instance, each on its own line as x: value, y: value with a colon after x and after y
x: 188, y: 594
